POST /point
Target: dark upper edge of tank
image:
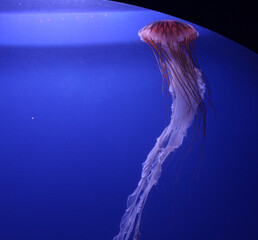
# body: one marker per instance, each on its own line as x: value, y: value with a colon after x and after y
x: 21, y: 6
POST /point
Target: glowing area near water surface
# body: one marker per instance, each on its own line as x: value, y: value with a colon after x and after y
x: 76, y: 28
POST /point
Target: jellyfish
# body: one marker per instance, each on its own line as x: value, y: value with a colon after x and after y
x: 173, y: 44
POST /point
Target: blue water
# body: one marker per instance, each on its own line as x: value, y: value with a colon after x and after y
x: 79, y: 112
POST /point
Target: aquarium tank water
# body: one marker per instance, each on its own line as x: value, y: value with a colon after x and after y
x: 100, y: 100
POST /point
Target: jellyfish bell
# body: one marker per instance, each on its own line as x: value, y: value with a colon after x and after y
x: 173, y: 44
x: 168, y: 32
x: 170, y: 35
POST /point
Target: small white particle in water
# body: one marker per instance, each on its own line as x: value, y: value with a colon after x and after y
x: 32, y: 118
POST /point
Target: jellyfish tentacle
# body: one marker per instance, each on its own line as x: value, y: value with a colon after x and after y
x: 170, y: 139
x: 137, y: 199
